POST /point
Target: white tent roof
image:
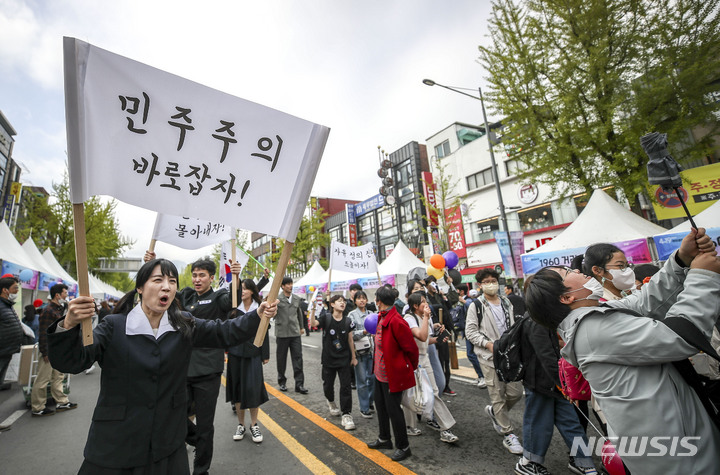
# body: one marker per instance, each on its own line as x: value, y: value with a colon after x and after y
x: 400, y: 261
x: 312, y: 276
x: 342, y: 276
x: 708, y: 218
x: 12, y: 251
x: 41, y: 264
x: 55, y: 266
x: 98, y: 288
x: 602, y: 220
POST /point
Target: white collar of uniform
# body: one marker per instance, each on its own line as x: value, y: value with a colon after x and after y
x: 138, y: 323
x: 253, y: 306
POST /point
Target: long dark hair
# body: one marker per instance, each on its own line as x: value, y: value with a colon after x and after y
x: 250, y: 285
x: 178, y: 320
x: 414, y: 301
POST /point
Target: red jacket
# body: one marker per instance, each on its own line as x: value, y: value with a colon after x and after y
x: 399, y: 350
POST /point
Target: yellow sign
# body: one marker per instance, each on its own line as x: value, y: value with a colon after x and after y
x: 700, y: 190
x: 15, y: 189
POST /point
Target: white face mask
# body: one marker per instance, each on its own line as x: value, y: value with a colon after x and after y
x: 490, y: 289
x: 622, y: 279
x: 12, y: 297
x: 596, y: 290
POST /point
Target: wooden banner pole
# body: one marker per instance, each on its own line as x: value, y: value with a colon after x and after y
x: 274, y: 289
x: 234, y: 286
x: 82, y: 266
x: 152, y: 245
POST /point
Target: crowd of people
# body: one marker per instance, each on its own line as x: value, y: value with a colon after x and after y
x: 624, y: 335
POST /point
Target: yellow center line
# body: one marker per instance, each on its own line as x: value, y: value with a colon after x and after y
x: 376, y: 456
x: 307, y: 458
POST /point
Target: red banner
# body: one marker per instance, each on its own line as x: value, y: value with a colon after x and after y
x: 429, y: 192
x: 455, y: 230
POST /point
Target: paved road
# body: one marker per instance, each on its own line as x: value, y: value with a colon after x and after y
x: 300, y: 435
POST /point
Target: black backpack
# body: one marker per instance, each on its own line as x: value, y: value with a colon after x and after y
x: 507, y: 353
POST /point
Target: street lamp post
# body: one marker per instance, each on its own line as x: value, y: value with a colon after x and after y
x: 496, y: 177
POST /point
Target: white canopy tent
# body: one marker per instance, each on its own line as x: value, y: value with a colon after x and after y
x: 400, y: 261
x: 312, y: 276
x: 708, y: 218
x: 602, y: 220
x: 12, y: 251
x: 55, y: 265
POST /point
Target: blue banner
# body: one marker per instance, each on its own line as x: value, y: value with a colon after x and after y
x: 377, y: 201
x: 532, y: 263
x: 666, y: 244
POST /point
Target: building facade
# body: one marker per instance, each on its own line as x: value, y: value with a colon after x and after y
x: 10, y: 172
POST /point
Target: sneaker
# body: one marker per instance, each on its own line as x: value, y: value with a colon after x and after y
x: 372, y: 408
x: 239, y: 432
x: 66, y: 407
x: 90, y: 369
x: 412, y: 431
x: 334, y: 410
x: 255, y: 433
x: 347, y: 422
x: 512, y: 444
x: 366, y: 414
x: 449, y: 392
x: 481, y: 383
x: 530, y: 468
x: 496, y: 426
x: 433, y: 425
x: 574, y: 468
x: 447, y: 436
x: 44, y: 412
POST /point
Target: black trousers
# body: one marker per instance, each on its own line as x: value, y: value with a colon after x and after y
x: 389, y: 411
x: 202, y: 394
x: 444, y: 357
x: 295, y: 345
x: 328, y: 378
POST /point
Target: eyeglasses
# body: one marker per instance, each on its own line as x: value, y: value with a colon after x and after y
x: 627, y: 265
x: 568, y: 270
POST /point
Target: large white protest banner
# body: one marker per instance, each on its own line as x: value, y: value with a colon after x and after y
x: 189, y: 233
x: 225, y: 258
x: 161, y: 142
x: 359, y: 260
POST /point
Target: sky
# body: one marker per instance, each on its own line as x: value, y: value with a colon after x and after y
x: 356, y: 67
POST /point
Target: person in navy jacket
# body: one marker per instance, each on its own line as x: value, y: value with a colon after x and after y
x: 144, y: 350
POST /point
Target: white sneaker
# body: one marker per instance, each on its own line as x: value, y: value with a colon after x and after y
x: 239, y: 433
x: 412, y: 431
x: 481, y: 383
x: 334, y: 410
x: 255, y: 433
x: 496, y: 426
x: 347, y: 422
x: 512, y: 443
x: 447, y: 436
x: 90, y: 369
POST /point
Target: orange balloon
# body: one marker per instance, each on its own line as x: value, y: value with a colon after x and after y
x: 437, y: 261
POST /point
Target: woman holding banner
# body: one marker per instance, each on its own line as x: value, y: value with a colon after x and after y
x: 139, y: 423
x: 245, y: 385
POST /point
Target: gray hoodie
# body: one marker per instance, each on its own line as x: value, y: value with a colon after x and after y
x: 628, y: 362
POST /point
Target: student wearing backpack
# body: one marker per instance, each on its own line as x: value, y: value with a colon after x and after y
x: 338, y: 357
x: 487, y: 319
x: 634, y: 352
x: 545, y: 405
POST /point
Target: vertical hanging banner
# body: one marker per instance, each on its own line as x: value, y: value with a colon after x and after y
x: 161, y: 142
x: 189, y: 233
x: 359, y: 260
x: 517, y: 240
x: 225, y: 256
x: 455, y: 230
x: 352, y: 225
x: 429, y: 192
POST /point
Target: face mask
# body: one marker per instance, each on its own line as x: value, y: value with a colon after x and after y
x: 623, y: 279
x: 596, y: 290
x: 12, y: 297
x: 490, y: 289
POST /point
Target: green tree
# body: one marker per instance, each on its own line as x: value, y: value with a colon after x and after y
x: 102, y: 230
x: 36, y: 220
x: 310, y: 239
x: 578, y: 82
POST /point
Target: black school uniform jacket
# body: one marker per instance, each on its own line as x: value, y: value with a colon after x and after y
x: 141, y: 410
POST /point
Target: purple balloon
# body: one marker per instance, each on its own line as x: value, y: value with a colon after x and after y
x: 370, y: 323
x: 451, y: 259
